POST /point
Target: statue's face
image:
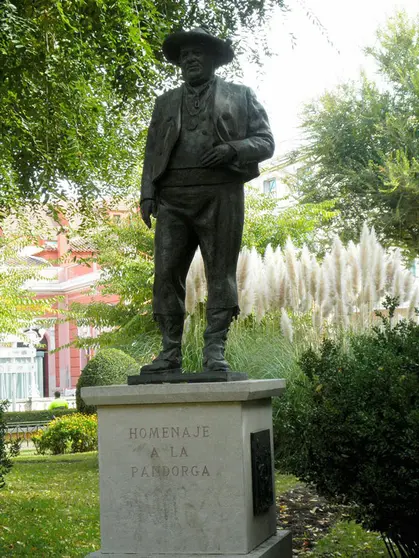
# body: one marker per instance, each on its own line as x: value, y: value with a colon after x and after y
x: 197, y: 64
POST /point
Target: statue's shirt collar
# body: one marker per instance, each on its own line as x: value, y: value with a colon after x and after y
x: 196, y: 99
x: 199, y: 90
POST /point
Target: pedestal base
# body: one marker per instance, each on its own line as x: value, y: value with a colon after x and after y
x: 186, y: 470
x: 177, y: 376
x: 277, y: 546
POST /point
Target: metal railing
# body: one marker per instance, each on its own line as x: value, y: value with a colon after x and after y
x: 25, y: 430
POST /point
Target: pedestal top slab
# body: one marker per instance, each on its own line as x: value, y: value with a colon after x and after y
x: 182, y: 393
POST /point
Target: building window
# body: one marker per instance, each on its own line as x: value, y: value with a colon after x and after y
x: 269, y: 186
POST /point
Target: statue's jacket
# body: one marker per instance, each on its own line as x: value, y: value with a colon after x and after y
x: 239, y: 120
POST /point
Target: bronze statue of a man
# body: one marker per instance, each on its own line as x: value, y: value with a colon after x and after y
x: 205, y: 140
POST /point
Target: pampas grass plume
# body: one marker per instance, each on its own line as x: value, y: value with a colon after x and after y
x: 291, y: 263
x: 314, y: 277
x: 414, y: 302
x: 338, y: 259
x: 322, y: 288
x: 408, y: 286
x: 380, y: 270
x: 349, y: 282
x: 243, y: 270
x: 272, y: 275
x: 364, y: 252
x: 393, y: 264
x: 190, y: 299
x: 397, y: 287
x: 187, y: 324
x: 286, y: 326
x: 354, y: 265
x: 198, y: 275
x: 328, y: 272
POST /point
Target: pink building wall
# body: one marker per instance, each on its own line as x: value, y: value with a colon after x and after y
x: 64, y: 366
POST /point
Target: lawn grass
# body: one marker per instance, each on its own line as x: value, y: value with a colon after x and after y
x: 50, y: 507
x: 283, y: 483
x: 347, y: 539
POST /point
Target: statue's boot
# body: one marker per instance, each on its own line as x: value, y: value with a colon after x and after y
x: 215, y: 337
x: 170, y: 358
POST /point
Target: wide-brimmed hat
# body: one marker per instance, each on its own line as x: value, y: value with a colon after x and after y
x: 222, y: 50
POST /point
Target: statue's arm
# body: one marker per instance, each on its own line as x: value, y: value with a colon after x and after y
x: 259, y: 142
x: 147, y: 186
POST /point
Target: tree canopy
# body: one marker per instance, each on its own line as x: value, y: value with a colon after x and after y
x: 77, y: 81
x: 362, y: 144
x: 268, y: 222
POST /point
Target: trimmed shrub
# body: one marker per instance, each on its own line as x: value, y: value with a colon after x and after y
x: 355, y: 433
x: 108, y: 367
x: 5, y: 463
x: 69, y: 434
x: 33, y: 416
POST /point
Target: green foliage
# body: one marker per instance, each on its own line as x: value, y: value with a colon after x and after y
x: 68, y: 66
x: 19, y: 306
x: 80, y: 80
x: 125, y: 255
x: 76, y: 433
x: 16, y: 417
x: 14, y: 446
x: 362, y: 144
x: 267, y: 223
x: 5, y: 463
x: 354, y: 433
x: 108, y: 367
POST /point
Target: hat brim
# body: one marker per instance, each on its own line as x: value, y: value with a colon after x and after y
x: 221, y: 50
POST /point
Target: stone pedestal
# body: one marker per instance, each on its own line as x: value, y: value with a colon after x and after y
x: 186, y: 470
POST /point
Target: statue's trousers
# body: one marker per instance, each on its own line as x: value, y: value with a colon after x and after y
x: 208, y: 216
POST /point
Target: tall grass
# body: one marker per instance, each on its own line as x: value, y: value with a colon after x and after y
x: 291, y: 300
x: 145, y: 347
x: 288, y: 287
x: 255, y: 347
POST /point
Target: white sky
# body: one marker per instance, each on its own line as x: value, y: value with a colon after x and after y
x: 295, y: 76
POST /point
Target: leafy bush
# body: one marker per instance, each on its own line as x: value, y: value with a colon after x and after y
x: 33, y: 416
x: 14, y: 446
x: 5, y: 463
x: 69, y: 434
x: 355, y: 432
x: 108, y: 367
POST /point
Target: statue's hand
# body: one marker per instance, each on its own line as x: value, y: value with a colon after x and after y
x: 218, y: 155
x: 148, y: 208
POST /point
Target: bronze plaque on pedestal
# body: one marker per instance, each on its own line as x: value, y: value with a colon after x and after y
x: 262, y: 477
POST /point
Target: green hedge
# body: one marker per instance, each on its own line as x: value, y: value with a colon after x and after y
x: 32, y: 416
x: 353, y: 432
x: 108, y: 367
